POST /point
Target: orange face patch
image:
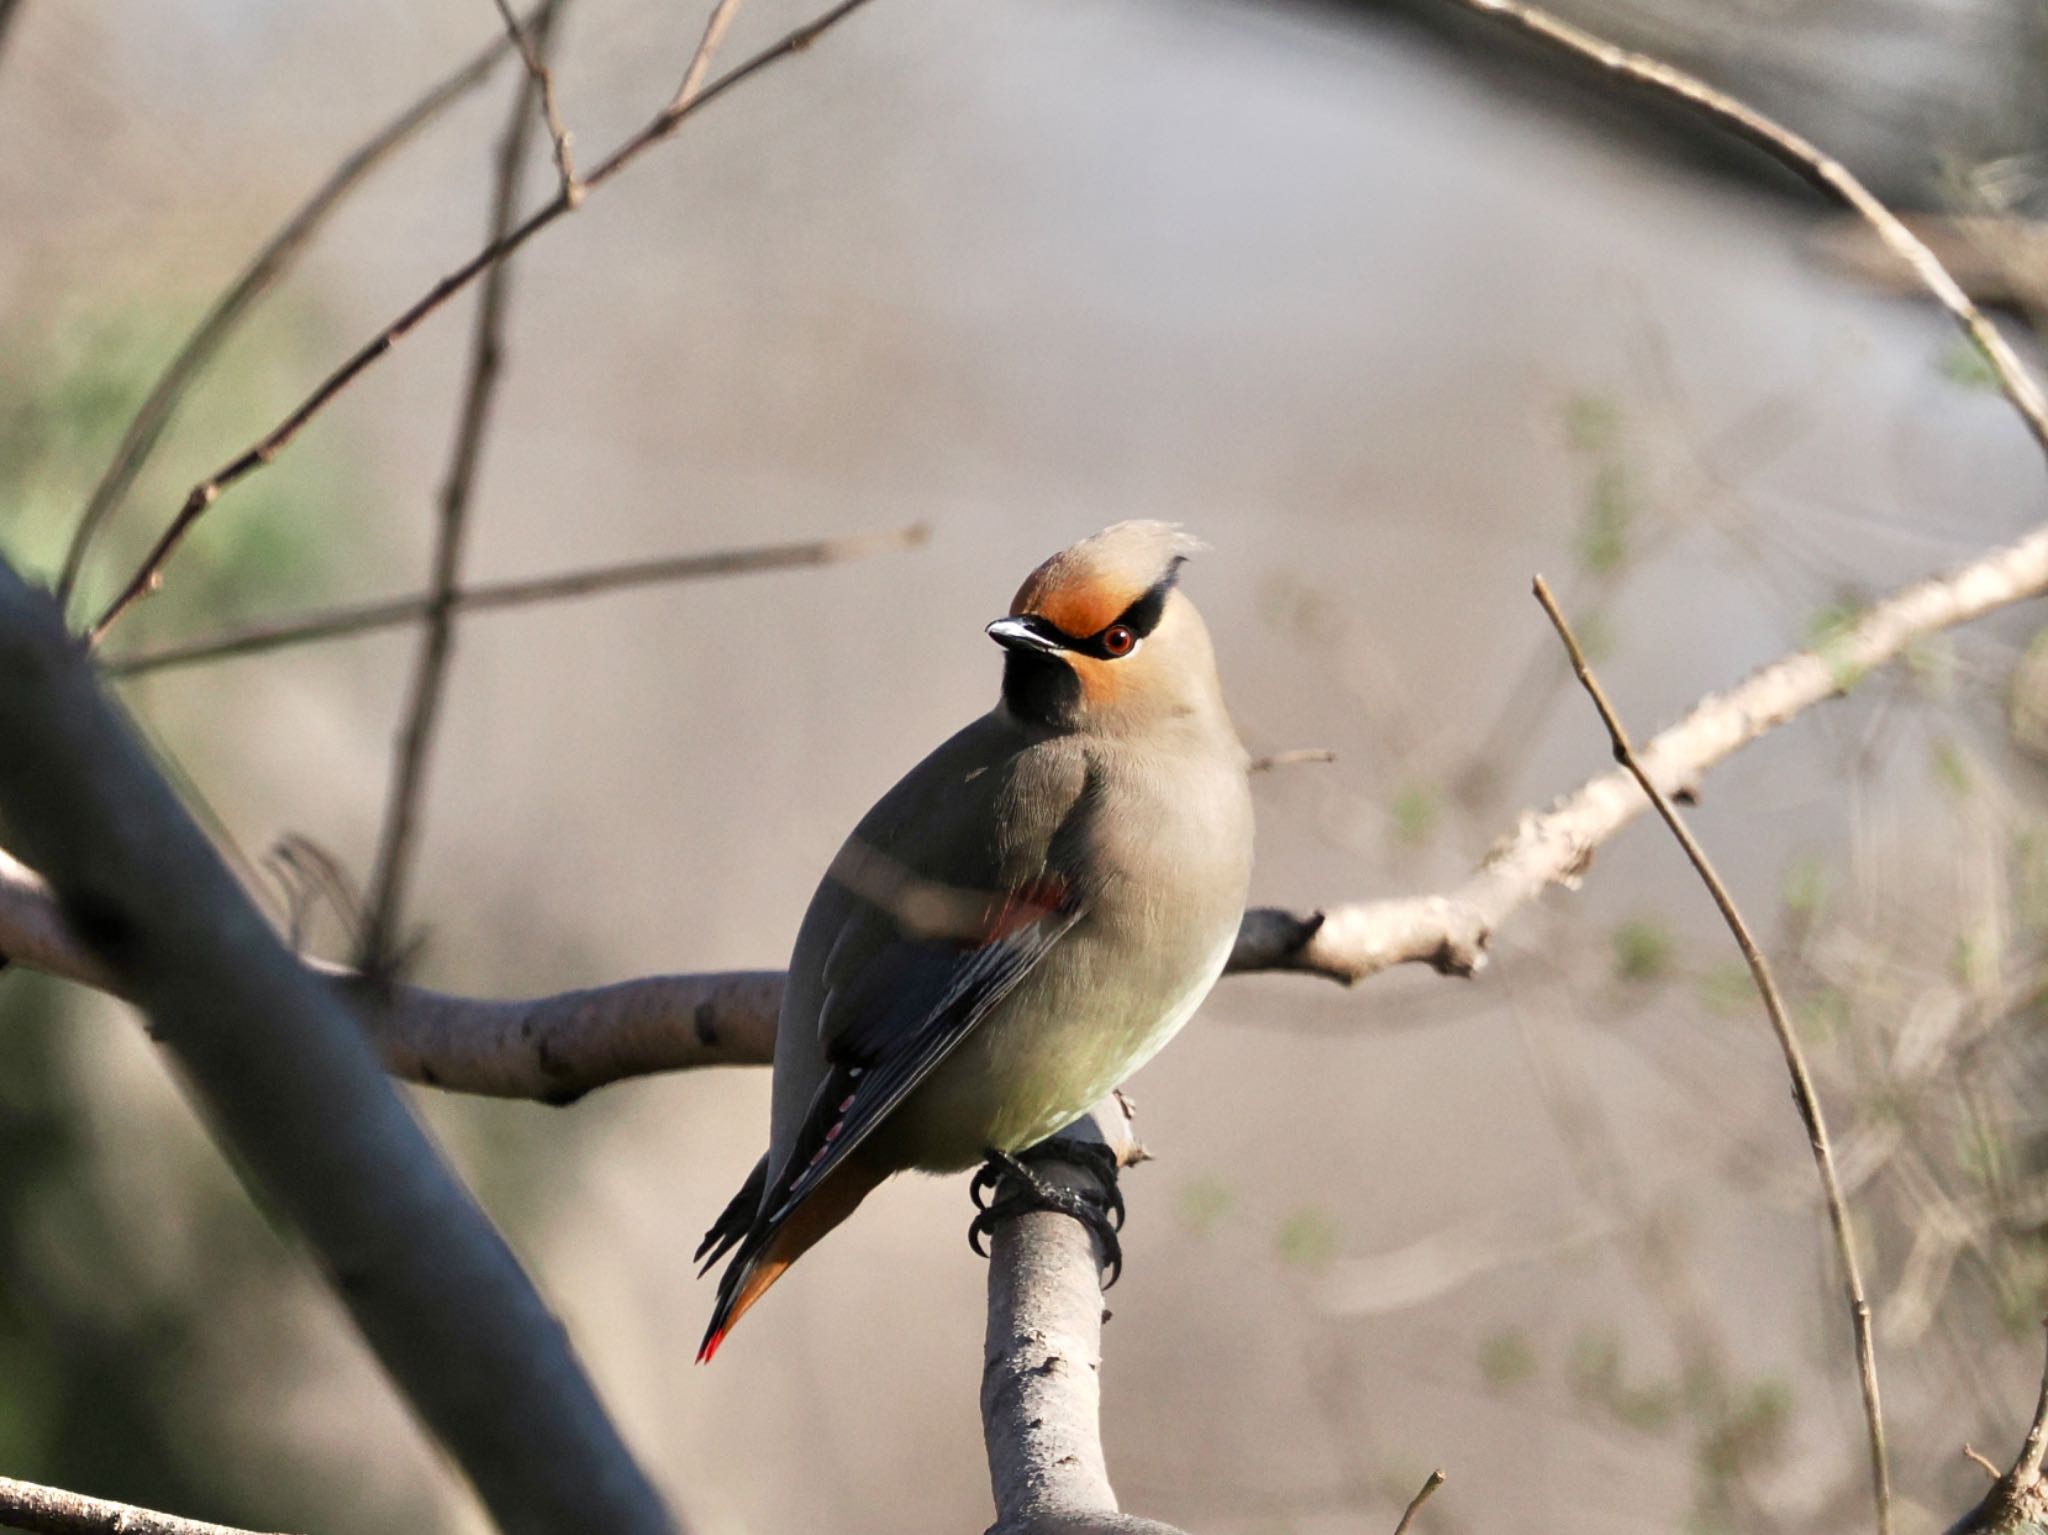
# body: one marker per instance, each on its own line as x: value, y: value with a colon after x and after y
x: 1077, y: 600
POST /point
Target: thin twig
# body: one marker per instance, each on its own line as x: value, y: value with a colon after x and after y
x: 1811, y: 164
x: 392, y: 613
x: 263, y: 273
x: 52, y: 1511
x: 700, y: 61
x: 1430, y: 1483
x: 1298, y: 757
x: 395, y: 838
x: 531, y: 47
x: 149, y: 573
x: 1982, y: 1461
x: 1788, y: 1042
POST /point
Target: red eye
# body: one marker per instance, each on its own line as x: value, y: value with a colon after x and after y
x: 1118, y: 640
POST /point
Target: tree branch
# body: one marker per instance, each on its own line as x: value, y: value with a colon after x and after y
x: 1807, y: 160
x: 50, y: 1511
x: 1803, y: 1092
x: 262, y: 274
x: 266, y: 448
x: 289, y: 1087
x: 1041, y: 1373
x: 395, y: 837
x: 558, y: 1047
x: 370, y: 617
x: 532, y: 45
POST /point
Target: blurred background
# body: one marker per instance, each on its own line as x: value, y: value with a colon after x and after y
x: 1390, y: 312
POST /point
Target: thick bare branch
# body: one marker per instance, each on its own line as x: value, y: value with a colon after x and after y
x: 262, y: 274
x: 1451, y: 931
x: 51, y: 1511
x: 285, y: 1080
x: 1803, y: 1093
x: 266, y: 448
x: 1041, y: 1370
x: 396, y: 839
x: 493, y: 1046
x: 370, y: 617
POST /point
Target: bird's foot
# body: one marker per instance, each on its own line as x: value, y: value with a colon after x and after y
x: 1101, y: 1211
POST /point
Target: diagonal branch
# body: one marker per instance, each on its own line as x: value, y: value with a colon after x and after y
x: 370, y: 617
x: 395, y: 839
x: 1808, y: 161
x: 262, y: 274
x: 259, y: 453
x: 1803, y: 1092
x: 52, y: 1511
x: 284, y: 1079
x: 700, y: 61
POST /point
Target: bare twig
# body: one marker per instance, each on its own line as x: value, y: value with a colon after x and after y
x: 1982, y: 1462
x: 700, y: 61
x: 395, y: 839
x: 271, y: 264
x: 532, y: 46
x: 298, y: 1101
x: 369, y: 617
x: 1808, y: 161
x: 266, y: 448
x: 1041, y: 1387
x: 1788, y: 1043
x: 1298, y: 757
x: 1430, y: 1483
x: 51, y: 1511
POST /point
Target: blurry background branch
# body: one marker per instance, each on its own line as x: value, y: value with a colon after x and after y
x: 1804, y: 159
x: 289, y: 1087
x: 484, y: 597
x: 260, y: 453
x: 396, y: 836
x: 271, y: 263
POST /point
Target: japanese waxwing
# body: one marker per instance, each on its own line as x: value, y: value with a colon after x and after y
x: 1021, y: 922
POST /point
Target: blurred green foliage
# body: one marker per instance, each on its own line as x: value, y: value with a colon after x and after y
x: 1307, y: 1240
x: 1642, y: 951
x: 1507, y: 1359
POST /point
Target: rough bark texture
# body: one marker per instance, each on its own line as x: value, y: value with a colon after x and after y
x: 1041, y: 1373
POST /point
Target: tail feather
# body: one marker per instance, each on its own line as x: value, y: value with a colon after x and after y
x: 734, y: 1222
x: 771, y: 1246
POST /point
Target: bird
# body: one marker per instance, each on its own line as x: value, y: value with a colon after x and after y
x: 1023, y: 921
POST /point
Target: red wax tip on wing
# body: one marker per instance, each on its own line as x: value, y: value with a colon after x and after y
x: 710, y: 1346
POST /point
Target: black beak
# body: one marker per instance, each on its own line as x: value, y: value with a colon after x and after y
x: 1029, y: 633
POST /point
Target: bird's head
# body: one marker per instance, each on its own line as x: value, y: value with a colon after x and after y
x: 1100, y: 638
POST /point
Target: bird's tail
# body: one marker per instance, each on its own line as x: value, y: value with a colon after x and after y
x: 771, y: 1246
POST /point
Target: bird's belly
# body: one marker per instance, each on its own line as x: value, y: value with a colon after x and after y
x: 1057, y: 1045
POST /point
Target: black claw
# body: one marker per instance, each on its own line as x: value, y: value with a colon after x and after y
x: 1102, y: 1213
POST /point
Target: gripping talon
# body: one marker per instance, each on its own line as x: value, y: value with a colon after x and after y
x: 1102, y: 1213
